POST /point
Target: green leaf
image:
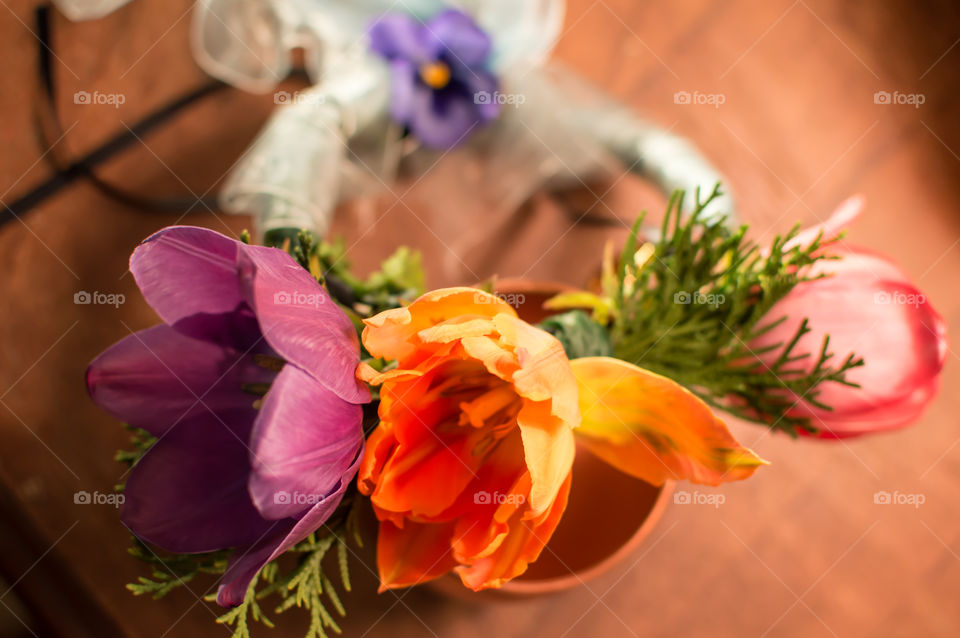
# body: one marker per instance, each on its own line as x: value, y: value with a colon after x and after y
x: 689, y: 309
x: 403, y: 270
x: 580, y: 335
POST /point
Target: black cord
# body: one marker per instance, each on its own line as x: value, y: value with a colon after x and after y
x: 83, y: 167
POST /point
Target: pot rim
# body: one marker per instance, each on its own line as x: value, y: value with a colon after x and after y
x: 574, y: 578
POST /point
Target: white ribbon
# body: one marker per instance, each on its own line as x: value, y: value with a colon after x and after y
x: 334, y: 140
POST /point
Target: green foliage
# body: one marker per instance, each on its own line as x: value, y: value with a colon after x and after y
x: 688, y: 305
x: 401, y: 271
x: 240, y: 616
x: 140, y: 442
x: 399, y: 280
x: 580, y: 335
x: 306, y: 586
x: 172, y: 570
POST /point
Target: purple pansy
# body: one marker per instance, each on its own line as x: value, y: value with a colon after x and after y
x: 440, y: 83
x: 231, y: 469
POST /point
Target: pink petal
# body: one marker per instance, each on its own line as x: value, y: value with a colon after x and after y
x: 868, y: 307
x: 157, y: 377
x: 301, y: 322
x: 246, y: 562
x: 184, y: 271
x: 304, y: 441
x: 842, y: 217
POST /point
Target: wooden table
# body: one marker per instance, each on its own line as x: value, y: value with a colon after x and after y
x: 799, y: 550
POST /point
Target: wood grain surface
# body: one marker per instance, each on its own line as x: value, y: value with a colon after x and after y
x: 801, y: 549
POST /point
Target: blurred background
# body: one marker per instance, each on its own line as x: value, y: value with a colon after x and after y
x: 800, y: 550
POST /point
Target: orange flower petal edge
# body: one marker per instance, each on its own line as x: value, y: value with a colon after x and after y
x: 653, y: 428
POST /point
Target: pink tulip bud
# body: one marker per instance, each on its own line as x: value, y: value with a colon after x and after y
x: 869, y: 307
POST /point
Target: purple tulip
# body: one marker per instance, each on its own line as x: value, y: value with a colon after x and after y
x: 232, y: 468
x: 441, y: 87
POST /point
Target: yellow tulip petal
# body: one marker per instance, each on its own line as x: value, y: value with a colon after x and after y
x: 653, y: 428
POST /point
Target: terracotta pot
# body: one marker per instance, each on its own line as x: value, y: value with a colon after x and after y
x: 609, y: 513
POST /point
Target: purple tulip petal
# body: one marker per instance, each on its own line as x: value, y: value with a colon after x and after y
x: 400, y: 36
x: 158, y: 377
x: 465, y: 43
x: 442, y: 119
x: 244, y: 564
x: 224, y: 301
x: 238, y: 330
x: 189, y: 492
x: 301, y: 322
x: 304, y: 440
x: 183, y: 271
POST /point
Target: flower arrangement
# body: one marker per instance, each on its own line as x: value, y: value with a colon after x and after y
x: 281, y: 395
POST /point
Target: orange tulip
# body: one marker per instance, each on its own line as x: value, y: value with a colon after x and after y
x: 470, y: 466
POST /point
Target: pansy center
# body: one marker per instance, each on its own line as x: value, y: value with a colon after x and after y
x: 435, y: 74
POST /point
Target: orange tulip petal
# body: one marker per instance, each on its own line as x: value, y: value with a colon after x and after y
x: 456, y: 328
x: 498, y: 360
x: 366, y: 372
x: 519, y: 547
x: 544, y: 370
x: 393, y: 334
x: 413, y: 554
x: 653, y: 428
x: 548, y: 449
x: 379, y: 445
x: 500, y: 490
x: 427, y: 479
x: 500, y: 402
